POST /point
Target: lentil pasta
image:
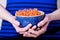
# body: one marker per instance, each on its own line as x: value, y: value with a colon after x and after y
x: 28, y: 12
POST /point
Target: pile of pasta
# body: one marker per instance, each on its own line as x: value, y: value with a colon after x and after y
x: 28, y: 12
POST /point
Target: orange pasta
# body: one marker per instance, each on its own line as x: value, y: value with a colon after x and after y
x: 28, y: 12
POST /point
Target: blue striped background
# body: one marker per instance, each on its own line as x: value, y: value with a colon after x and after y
x: 47, y: 6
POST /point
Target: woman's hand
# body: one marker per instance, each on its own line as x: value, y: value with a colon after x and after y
x: 16, y: 25
x: 10, y: 18
x: 42, y: 27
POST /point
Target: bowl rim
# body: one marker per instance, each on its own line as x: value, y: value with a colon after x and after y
x: 42, y: 13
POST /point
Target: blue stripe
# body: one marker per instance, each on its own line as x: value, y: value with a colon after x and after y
x: 58, y: 32
x: 11, y: 4
x: 5, y: 27
x: 44, y: 9
x: 54, y: 25
x: 43, y: 1
x: 5, y: 35
x: 47, y: 6
x: 31, y: 5
x: 7, y: 31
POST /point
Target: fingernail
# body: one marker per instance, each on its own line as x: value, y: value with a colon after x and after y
x: 34, y: 25
x: 38, y: 25
x: 30, y: 24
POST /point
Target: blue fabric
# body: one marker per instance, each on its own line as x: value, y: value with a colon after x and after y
x: 47, y: 6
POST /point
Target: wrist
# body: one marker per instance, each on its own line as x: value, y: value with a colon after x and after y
x: 11, y: 19
x: 49, y: 17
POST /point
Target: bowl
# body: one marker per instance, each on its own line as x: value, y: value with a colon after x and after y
x: 25, y: 20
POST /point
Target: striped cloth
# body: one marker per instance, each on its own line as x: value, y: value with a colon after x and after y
x: 47, y: 6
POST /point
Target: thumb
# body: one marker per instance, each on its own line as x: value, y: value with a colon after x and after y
x: 15, y: 22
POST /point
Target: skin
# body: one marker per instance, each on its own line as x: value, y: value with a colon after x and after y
x: 31, y: 31
x: 10, y: 18
x: 44, y: 23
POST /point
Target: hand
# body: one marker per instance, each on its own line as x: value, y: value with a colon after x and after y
x: 20, y: 30
x: 42, y: 27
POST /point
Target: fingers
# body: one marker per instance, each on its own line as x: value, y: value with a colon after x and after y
x: 23, y: 30
x: 26, y: 34
x: 38, y: 29
x: 12, y: 19
x: 33, y: 31
x: 39, y: 32
x: 27, y: 27
x: 41, y: 23
x: 16, y: 28
x: 15, y: 22
x: 43, y: 30
x: 34, y: 27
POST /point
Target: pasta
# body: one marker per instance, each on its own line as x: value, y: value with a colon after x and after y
x: 28, y: 12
